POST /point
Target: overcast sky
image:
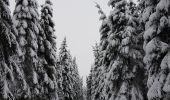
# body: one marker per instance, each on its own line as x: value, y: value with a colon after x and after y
x: 78, y: 21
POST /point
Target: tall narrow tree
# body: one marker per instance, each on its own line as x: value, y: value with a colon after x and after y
x: 26, y: 18
x: 77, y: 81
x: 11, y: 79
x: 98, y: 83
x: 96, y: 70
x: 95, y: 74
x: 65, y: 65
x: 122, y: 56
x: 48, y: 26
x: 89, y: 86
x: 156, y: 45
x: 47, y: 49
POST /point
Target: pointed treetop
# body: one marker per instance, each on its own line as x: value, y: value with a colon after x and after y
x: 64, y: 41
x: 113, y: 3
x: 96, y: 47
x: 31, y: 5
x: 28, y: 2
x: 47, y: 5
x: 49, y: 2
x: 64, y: 46
x: 74, y: 59
x: 75, y: 63
x: 100, y: 11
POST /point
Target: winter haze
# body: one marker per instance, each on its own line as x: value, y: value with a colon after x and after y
x: 78, y: 21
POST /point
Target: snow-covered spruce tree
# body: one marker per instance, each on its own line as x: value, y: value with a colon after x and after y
x: 98, y: 83
x: 77, y: 81
x: 122, y: 57
x: 11, y: 75
x: 89, y: 86
x: 30, y: 37
x: 48, y: 26
x: 84, y: 93
x: 96, y: 70
x: 70, y: 84
x: 156, y: 19
x: 47, y: 49
x: 94, y: 76
x: 65, y: 64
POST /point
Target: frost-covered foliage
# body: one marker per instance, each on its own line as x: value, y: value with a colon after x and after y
x: 47, y: 48
x: 48, y: 27
x: 89, y: 86
x: 156, y: 19
x: 94, y: 79
x: 26, y: 21
x: 11, y: 75
x: 119, y: 71
x: 70, y: 85
x: 77, y: 81
x: 29, y: 68
x: 65, y: 85
x: 40, y: 82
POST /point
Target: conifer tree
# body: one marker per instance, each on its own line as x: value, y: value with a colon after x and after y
x: 78, y: 83
x: 95, y: 72
x: 47, y: 49
x: 65, y: 65
x: 89, y: 87
x: 70, y: 84
x: 155, y: 19
x: 11, y: 79
x: 122, y: 65
x: 30, y: 35
x: 84, y: 93
x: 99, y: 51
x: 48, y: 26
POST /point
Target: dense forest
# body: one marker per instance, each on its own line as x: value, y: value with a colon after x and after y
x: 131, y: 60
x: 30, y: 68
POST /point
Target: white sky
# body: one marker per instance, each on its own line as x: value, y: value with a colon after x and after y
x: 78, y: 20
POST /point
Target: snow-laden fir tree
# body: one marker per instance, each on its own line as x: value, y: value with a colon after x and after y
x: 122, y: 66
x: 95, y: 75
x: 89, y: 86
x: 48, y: 26
x: 156, y: 19
x: 77, y: 81
x: 47, y: 49
x: 65, y: 64
x: 70, y: 84
x: 84, y: 93
x: 11, y: 75
x: 39, y: 84
x: 99, y: 51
